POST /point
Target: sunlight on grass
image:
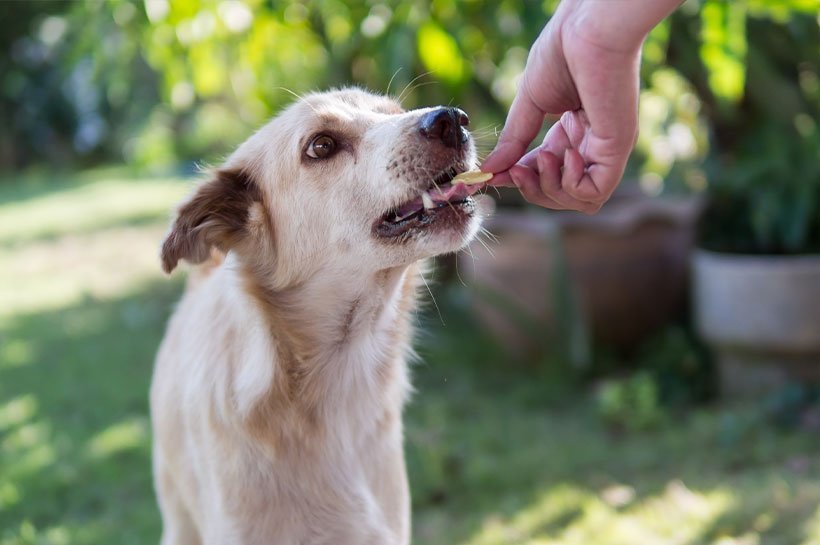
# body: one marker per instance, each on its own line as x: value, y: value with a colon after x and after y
x: 80, y: 243
x: 86, y: 207
x: 126, y: 435
x: 53, y: 274
x: 9, y: 494
x: 15, y: 353
x: 28, y: 534
x: 78, y: 328
x: 17, y: 411
x: 570, y: 515
x: 561, y: 503
x: 28, y: 449
x: 813, y: 529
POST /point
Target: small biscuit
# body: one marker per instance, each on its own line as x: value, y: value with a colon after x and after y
x: 472, y: 177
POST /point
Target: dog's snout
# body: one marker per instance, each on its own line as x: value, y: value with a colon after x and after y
x: 445, y: 124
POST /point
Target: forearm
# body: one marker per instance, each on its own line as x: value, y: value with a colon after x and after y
x: 617, y: 25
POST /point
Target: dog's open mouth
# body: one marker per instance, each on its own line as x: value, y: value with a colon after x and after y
x: 440, y: 200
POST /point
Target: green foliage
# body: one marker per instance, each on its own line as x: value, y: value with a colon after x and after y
x: 680, y: 367
x: 440, y: 54
x: 671, y: 371
x: 770, y: 202
x: 716, y: 71
x: 632, y: 403
x: 161, y: 81
x: 764, y: 171
x: 158, y: 82
x: 723, y: 48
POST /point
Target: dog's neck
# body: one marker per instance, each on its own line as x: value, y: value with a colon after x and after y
x: 340, y: 338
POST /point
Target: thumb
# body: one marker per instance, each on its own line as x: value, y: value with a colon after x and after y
x: 523, y: 123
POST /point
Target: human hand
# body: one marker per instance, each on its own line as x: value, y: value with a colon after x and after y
x: 585, y: 64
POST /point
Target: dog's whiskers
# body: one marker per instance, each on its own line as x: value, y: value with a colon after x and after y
x: 298, y: 97
x: 486, y: 247
x: 432, y: 297
x: 490, y: 235
x: 389, y: 83
x: 458, y: 273
x: 409, y: 87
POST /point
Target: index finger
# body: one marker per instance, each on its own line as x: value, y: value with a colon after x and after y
x: 523, y: 123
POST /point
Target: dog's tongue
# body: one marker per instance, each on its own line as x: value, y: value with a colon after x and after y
x: 410, y: 207
x: 450, y: 192
x: 437, y: 195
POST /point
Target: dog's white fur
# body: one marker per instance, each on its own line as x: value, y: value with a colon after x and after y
x: 278, y: 389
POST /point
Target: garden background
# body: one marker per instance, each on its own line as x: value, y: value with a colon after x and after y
x: 108, y: 109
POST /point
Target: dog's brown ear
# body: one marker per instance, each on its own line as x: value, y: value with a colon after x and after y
x: 216, y: 215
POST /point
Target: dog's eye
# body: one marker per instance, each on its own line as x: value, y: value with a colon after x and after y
x: 321, y: 147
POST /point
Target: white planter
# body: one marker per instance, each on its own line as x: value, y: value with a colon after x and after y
x: 761, y: 315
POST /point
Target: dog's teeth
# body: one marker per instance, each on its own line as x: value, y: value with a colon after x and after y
x: 428, y: 201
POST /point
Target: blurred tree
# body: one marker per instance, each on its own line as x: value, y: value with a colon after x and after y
x: 24, y: 65
x: 73, y: 81
x: 162, y: 81
x: 228, y: 60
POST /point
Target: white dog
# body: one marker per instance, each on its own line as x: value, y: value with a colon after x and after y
x: 278, y: 390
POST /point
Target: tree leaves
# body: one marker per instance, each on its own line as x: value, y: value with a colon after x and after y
x: 440, y: 54
x: 723, y: 48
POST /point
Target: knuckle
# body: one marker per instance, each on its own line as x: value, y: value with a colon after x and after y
x: 592, y: 208
x: 531, y: 195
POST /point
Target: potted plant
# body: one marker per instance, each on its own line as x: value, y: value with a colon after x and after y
x: 624, y: 268
x: 756, y: 274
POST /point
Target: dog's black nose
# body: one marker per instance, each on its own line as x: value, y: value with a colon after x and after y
x: 445, y: 124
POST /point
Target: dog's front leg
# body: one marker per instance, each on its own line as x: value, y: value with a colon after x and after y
x: 177, y: 526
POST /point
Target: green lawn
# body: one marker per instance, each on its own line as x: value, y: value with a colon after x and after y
x: 495, y: 455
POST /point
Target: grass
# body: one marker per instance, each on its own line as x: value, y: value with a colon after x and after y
x: 496, y: 455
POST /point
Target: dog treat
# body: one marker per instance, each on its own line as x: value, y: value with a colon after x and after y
x: 472, y: 177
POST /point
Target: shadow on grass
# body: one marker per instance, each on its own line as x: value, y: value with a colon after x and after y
x: 497, y: 455
x: 18, y: 188
x: 83, y: 205
x: 144, y: 219
x: 74, y: 432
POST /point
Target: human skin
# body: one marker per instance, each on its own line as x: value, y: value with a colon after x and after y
x: 583, y: 66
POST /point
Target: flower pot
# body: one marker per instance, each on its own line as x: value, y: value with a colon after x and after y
x: 627, y: 267
x: 761, y: 315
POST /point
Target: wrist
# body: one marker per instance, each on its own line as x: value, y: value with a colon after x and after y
x: 618, y: 26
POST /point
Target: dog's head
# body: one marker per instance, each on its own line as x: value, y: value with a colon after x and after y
x: 340, y: 178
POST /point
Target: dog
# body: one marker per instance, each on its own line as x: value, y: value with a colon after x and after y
x: 278, y: 388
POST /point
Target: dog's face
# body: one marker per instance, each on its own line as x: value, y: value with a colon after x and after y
x: 341, y: 178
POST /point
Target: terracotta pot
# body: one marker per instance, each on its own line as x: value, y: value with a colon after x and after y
x: 761, y: 315
x: 627, y: 267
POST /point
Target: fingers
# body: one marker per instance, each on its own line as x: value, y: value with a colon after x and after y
x: 593, y: 165
x: 542, y: 181
x: 558, y: 177
x: 528, y: 183
x: 501, y: 179
x: 523, y: 123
